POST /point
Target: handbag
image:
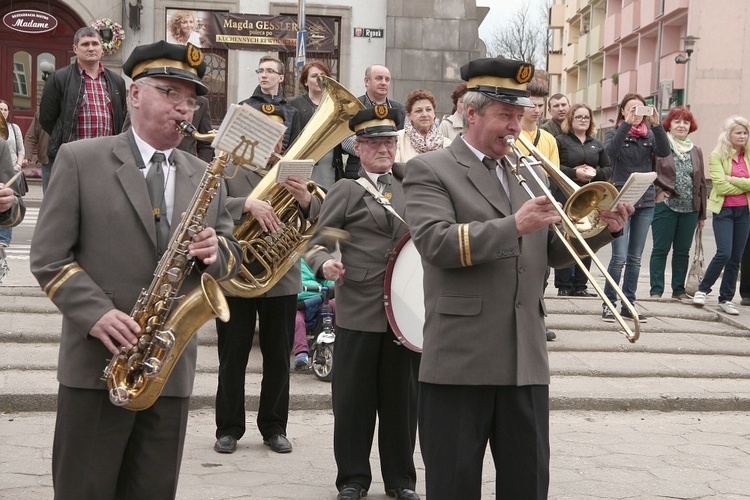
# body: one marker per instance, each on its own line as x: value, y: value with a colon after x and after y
x: 695, y: 273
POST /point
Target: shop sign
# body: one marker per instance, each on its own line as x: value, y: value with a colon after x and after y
x: 258, y: 32
x: 30, y: 21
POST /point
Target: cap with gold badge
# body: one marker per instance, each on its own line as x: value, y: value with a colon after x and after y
x: 378, y: 121
x: 168, y: 60
x: 503, y: 80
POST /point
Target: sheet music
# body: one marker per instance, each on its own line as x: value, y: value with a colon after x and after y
x: 634, y: 187
x: 250, y: 133
x: 297, y: 168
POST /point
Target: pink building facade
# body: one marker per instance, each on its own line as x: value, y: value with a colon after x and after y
x: 670, y: 51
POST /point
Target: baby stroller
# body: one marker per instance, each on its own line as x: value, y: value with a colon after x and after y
x: 321, y: 331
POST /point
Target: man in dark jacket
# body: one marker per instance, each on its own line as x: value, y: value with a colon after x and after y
x: 377, y: 85
x: 270, y: 77
x: 84, y: 99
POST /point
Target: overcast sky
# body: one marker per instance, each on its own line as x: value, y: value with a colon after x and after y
x: 500, y: 10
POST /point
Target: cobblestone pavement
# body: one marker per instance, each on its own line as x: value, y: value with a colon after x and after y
x: 595, y: 455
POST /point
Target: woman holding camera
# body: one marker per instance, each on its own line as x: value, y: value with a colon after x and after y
x: 680, y: 203
x: 631, y: 147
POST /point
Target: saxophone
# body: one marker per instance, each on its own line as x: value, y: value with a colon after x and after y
x: 136, y: 377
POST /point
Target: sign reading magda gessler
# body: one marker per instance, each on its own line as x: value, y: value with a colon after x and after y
x: 257, y: 32
x: 30, y: 21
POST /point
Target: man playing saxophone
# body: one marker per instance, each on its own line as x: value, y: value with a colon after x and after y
x: 99, y: 237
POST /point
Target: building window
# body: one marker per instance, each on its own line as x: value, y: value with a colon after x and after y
x: 20, y: 86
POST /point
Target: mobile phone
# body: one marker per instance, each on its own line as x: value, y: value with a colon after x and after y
x: 643, y: 110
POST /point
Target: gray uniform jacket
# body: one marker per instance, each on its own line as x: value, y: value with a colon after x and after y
x: 238, y: 188
x: 94, y: 249
x: 359, y: 298
x: 483, y: 285
x: 14, y: 215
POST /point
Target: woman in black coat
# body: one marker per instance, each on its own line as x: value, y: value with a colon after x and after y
x: 582, y: 159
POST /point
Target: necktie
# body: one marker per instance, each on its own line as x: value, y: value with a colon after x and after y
x: 155, y: 183
x: 385, y: 180
x: 492, y: 166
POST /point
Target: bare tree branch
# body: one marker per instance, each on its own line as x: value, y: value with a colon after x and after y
x: 525, y: 37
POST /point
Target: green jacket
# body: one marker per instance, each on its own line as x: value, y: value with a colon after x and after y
x: 719, y: 168
x: 308, y: 279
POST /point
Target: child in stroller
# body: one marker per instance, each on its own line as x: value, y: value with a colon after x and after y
x: 314, y: 325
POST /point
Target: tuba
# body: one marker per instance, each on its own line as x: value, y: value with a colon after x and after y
x: 268, y: 256
x: 136, y: 376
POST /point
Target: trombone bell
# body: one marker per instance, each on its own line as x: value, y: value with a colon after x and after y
x: 583, y: 202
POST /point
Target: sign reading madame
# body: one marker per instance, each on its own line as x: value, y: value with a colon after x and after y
x: 256, y: 32
x: 30, y: 21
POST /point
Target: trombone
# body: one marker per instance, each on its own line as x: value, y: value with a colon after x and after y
x: 589, y: 209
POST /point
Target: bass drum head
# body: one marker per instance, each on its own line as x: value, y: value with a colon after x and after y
x: 404, y: 295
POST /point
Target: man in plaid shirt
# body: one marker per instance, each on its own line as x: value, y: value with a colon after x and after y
x: 84, y: 99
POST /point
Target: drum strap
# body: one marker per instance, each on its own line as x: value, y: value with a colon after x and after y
x: 365, y: 183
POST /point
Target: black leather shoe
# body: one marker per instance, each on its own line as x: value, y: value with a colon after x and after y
x: 564, y: 292
x: 403, y: 494
x: 225, y: 444
x: 551, y: 335
x: 583, y: 293
x: 279, y: 443
x: 352, y: 492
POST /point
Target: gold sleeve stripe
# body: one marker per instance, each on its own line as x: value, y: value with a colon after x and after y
x: 61, y: 277
x: 464, y: 247
x: 17, y: 219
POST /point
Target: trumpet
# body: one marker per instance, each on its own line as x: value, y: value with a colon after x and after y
x: 570, y: 229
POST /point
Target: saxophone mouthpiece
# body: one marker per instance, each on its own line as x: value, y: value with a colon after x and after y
x: 189, y: 130
x: 186, y: 128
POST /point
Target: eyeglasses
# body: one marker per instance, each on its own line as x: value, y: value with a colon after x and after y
x: 377, y: 143
x: 176, y: 96
x: 270, y: 71
x: 582, y: 118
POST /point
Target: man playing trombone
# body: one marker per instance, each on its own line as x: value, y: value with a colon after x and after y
x: 485, y: 246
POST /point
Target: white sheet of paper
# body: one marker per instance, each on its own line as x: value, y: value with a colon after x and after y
x: 297, y: 168
x: 249, y: 133
x: 634, y: 187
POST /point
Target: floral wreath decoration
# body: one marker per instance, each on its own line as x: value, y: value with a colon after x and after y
x: 111, y: 33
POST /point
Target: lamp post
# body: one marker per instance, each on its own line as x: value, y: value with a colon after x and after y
x: 689, y: 42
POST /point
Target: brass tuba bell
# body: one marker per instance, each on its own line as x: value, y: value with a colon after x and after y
x: 268, y: 256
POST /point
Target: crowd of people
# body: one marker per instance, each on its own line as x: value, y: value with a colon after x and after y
x: 485, y: 244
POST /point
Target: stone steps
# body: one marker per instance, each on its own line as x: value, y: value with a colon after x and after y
x: 687, y: 358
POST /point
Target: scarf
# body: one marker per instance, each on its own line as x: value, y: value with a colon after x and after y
x: 422, y: 144
x: 640, y: 130
x: 680, y: 148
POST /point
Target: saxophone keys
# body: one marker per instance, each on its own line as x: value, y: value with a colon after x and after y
x: 152, y: 367
x: 134, y: 361
x: 119, y: 396
x: 174, y: 274
x: 164, y: 340
x: 144, y: 341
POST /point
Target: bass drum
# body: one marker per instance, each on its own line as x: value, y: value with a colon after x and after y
x: 403, y: 294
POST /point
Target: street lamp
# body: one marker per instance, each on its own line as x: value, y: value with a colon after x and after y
x: 689, y: 42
